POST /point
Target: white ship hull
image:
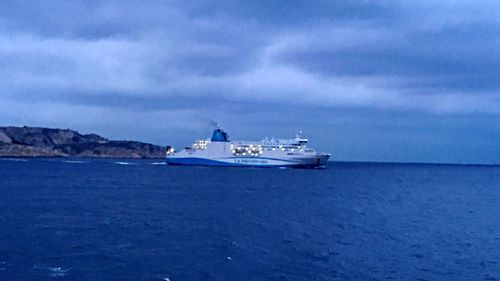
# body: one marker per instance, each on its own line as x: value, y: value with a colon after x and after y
x: 319, y: 161
x: 266, y: 153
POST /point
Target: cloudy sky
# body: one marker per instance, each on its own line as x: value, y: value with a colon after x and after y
x: 414, y: 81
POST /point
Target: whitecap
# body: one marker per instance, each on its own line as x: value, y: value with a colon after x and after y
x: 59, y: 271
x: 74, y: 161
x: 158, y: 163
x: 53, y: 271
x: 124, y: 163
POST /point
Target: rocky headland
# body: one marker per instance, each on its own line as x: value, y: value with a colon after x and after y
x: 46, y: 142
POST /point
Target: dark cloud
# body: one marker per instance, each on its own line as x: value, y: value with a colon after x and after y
x: 297, y: 13
x: 459, y: 58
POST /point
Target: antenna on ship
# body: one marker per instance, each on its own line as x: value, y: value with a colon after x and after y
x: 299, y: 134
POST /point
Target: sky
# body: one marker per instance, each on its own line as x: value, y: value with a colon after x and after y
x: 410, y: 81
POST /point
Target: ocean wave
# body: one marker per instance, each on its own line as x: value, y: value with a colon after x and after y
x: 124, y: 163
x: 53, y: 271
x: 158, y: 163
x: 74, y: 161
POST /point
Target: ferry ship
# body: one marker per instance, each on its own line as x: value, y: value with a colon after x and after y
x: 220, y: 151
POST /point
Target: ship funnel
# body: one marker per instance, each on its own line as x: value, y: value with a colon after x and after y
x: 219, y: 135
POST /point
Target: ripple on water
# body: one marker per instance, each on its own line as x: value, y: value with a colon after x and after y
x: 75, y: 161
x: 52, y: 271
x: 124, y: 163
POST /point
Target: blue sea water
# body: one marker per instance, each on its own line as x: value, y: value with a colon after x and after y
x: 84, y: 219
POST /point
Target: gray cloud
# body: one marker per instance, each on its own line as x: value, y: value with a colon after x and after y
x: 346, y: 54
x: 124, y: 62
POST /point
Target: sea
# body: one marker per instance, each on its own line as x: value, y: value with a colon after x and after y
x: 88, y: 219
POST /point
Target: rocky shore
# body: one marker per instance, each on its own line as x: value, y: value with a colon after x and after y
x: 46, y: 142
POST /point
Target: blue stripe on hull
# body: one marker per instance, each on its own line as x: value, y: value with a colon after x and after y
x: 193, y: 161
x: 267, y: 158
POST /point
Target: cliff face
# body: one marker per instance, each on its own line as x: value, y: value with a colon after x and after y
x: 45, y: 142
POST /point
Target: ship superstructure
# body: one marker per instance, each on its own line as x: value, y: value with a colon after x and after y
x: 220, y: 151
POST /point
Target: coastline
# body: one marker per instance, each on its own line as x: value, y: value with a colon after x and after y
x: 37, y: 142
